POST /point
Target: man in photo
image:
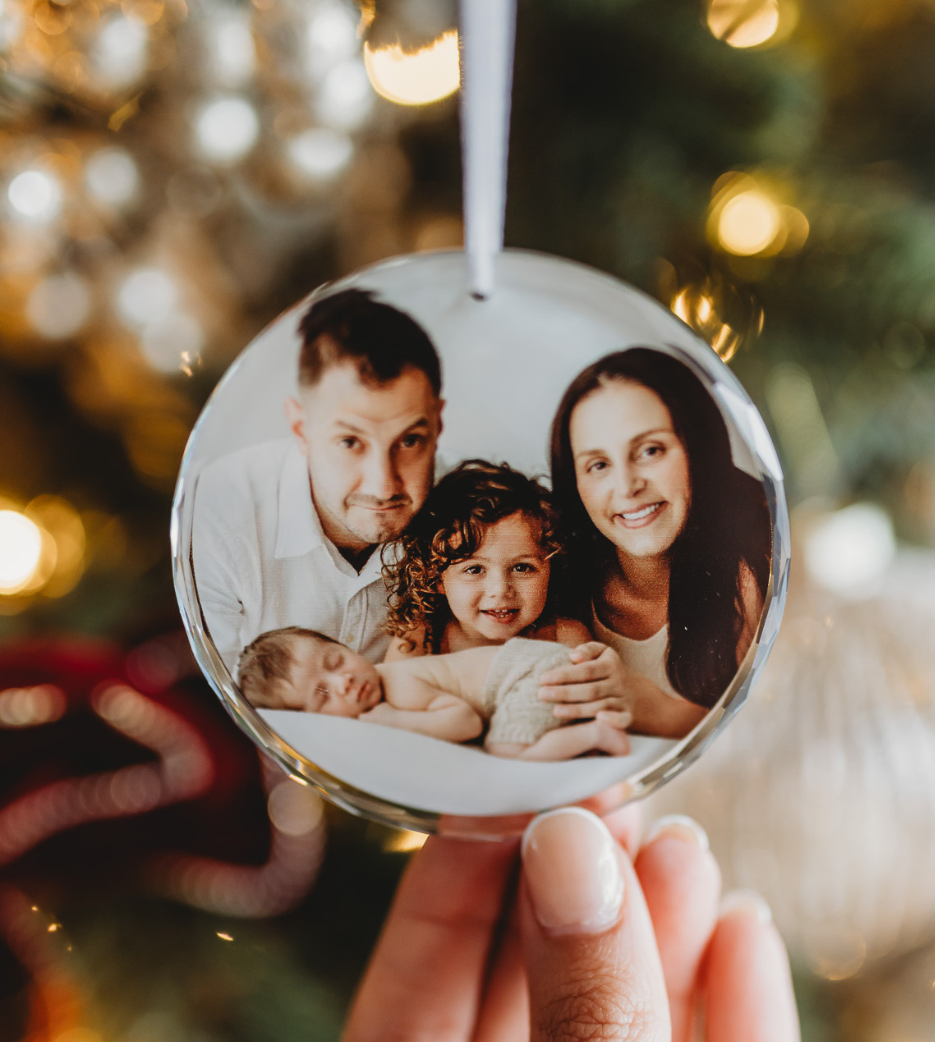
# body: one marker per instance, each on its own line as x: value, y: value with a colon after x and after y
x: 288, y: 532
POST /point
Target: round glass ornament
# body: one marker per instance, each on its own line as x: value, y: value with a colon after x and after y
x: 287, y: 482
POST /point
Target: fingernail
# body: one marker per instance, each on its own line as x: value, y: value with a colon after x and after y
x: 746, y: 902
x: 572, y: 871
x: 681, y: 826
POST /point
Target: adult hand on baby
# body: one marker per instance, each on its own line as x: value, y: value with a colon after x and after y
x: 595, y: 681
x: 593, y: 946
x: 596, y: 684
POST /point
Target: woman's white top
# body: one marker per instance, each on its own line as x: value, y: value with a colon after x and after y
x: 646, y: 658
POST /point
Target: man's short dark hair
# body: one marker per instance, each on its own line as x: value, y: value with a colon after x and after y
x: 380, y: 340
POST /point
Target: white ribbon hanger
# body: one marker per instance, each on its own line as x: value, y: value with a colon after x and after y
x: 488, y: 30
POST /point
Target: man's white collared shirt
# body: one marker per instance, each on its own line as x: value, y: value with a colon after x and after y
x: 262, y: 561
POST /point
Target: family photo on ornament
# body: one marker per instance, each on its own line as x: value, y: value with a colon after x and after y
x: 540, y: 619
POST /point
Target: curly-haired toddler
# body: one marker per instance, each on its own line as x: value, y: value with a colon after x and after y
x: 473, y: 568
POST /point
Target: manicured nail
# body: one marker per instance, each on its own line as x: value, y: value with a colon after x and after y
x: 572, y: 871
x: 681, y: 826
x: 745, y: 902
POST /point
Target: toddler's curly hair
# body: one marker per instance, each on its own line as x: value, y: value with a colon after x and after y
x: 449, y: 528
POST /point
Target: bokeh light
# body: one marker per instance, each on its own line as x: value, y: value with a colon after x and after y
x: 345, y: 98
x: 121, y: 51
x: 294, y: 809
x: 59, y: 306
x: 146, y: 295
x: 331, y: 36
x: 232, y: 52
x: 35, y: 195
x: 111, y: 176
x: 20, y: 551
x: 11, y: 23
x: 227, y: 129
x: 32, y: 706
x: 849, y: 551
x: 320, y: 153
x: 62, y: 524
x: 172, y: 341
x: 744, y: 23
x: 747, y: 217
x: 796, y: 227
x: 416, y: 77
x: 43, y: 549
x: 749, y: 223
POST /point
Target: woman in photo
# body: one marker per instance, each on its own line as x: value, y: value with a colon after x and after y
x: 669, y: 541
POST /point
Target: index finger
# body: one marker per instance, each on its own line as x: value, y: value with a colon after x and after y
x: 575, y: 673
x: 591, y: 649
x: 422, y: 981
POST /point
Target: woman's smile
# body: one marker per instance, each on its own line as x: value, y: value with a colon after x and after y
x: 639, y: 518
x: 628, y: 455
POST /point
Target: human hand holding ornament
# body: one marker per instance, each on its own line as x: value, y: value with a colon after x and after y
x: 604, y: 937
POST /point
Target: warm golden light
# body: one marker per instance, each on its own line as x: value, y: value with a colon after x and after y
x: 749, y: 218
x: 696, y: 309
x: 797, y: 229
x: 31, y: 706
x: 744, y: 23
x: 42, y: 549
x: 62, y: 524
x: 20, y: 551
x: 405, y: 841
x: 417, y: 78
x: 749, y: 223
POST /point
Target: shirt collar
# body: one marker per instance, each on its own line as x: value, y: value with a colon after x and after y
x: 299, y: 528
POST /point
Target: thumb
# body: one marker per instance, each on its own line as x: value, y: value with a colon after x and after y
x: 589, y: 948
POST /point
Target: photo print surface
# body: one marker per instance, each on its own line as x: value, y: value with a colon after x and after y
x: 480, y: 557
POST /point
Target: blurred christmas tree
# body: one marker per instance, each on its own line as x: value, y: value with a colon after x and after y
x: 173, y: 174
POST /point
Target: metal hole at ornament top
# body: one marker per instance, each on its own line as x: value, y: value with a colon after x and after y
x: 378, y: 460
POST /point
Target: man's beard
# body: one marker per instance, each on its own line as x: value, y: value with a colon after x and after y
x: 377, y: 527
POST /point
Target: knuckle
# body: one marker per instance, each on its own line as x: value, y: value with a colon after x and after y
x: 592, y: 1008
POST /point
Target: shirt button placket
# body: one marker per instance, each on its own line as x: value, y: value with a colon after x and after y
x: 353, y: 622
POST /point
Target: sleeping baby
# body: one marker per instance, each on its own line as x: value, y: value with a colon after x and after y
x: 443, y: 696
